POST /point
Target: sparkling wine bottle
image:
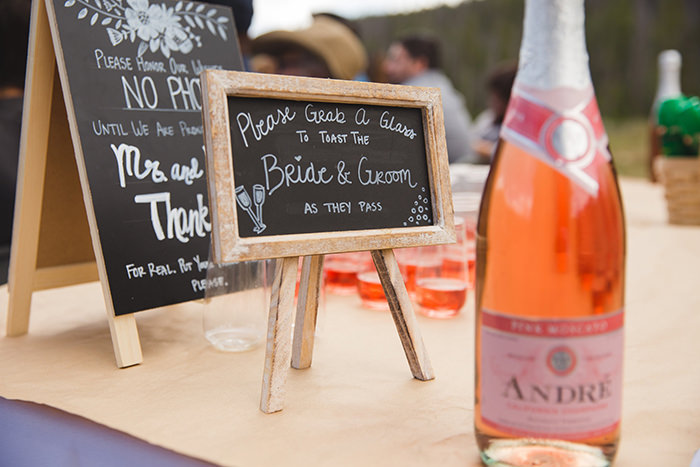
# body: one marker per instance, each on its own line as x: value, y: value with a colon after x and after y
x: 550, y: 263
x: 669, y: 86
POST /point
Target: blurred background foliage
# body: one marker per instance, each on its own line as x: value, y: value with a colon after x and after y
x: 624, y: 38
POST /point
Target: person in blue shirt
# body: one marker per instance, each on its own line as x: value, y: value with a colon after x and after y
x: 415, y: 60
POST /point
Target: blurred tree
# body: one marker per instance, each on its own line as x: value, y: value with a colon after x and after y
x: 624, y: 39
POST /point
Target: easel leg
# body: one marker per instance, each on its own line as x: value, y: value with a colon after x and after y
x: 402, y: 312
x: 279, y: 330
x: 38, y: 100
x: 125, y: 340
x: 307, y: 311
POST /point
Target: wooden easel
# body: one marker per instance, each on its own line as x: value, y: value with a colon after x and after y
x: 279, y: 350
x: 54, y: 225
x: 229, y: 245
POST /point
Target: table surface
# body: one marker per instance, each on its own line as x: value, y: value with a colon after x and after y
x: 357, y: 404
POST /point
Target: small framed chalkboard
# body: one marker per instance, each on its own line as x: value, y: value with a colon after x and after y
x: 304, y: 166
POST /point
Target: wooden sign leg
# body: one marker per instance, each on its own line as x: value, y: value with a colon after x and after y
x: 125, y: 340
x: 402, y: 312
x: 279, y: 335
x: 41, y: 70
x: 307, y: 311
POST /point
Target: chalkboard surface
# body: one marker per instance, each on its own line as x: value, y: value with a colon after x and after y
x: 305, y: 166
x: 133, y: 94
x: 323, y: 167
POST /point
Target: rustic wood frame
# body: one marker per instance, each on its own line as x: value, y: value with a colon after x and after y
x: 228, y: 246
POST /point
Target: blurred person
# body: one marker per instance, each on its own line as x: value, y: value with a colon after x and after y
x: 362, y: 75
x: 242, y: 17
x: 263, y: 63
x: 14, y: 36
x: 415, y: 61
x: 487, y: 125
x: 375, y: 69
x: 326, y: 49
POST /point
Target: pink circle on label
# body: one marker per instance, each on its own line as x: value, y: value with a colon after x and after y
x: 561, y: 360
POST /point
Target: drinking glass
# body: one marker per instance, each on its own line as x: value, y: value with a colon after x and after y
x: 236, y: 305
x: 470, y: 244
x: 455, y: 254
x: 370, y: 289
x: 466, y: 207
x: 340, y: 271
x: 441, y: 281
x: 407, y: 258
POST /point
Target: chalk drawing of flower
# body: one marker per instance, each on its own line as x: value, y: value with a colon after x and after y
x: 174, y: 36
x: 157, y: 27
x: 146, y: 20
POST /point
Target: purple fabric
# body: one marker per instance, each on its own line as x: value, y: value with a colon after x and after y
x: 39, y: 435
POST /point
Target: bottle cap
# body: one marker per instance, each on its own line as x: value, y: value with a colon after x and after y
x: 670, y: 59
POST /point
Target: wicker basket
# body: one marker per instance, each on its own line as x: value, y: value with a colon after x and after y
x: 681, y: 179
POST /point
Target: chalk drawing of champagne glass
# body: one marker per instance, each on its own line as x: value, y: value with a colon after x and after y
x: 258, y: 201
x: 244, y: 202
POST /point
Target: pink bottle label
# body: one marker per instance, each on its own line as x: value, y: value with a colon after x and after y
x: 552, y: 378
x: 569, y: 136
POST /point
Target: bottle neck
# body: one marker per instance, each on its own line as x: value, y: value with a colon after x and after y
x: 553, y: 52
x: 669, y: 82
x: 552, y: 113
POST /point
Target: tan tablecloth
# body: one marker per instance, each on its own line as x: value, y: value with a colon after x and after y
x: 358, y: 404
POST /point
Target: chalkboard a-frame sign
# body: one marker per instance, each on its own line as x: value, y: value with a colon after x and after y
x: 306, y: 167
x: 111, y: 182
